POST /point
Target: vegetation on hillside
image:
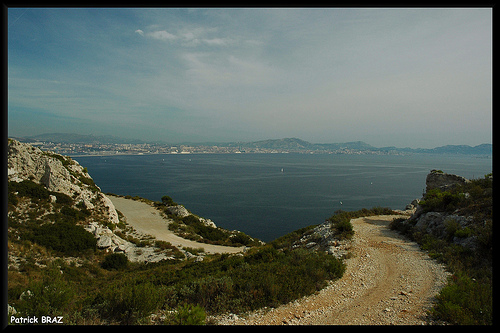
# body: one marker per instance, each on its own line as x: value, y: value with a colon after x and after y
x: 62, y: 273
x: 467, y: 299
x: 128, y: 293
x: 65, y: 275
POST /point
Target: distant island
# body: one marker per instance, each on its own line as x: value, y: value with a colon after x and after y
x: 78, y: 144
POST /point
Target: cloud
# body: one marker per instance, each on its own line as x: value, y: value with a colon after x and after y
x: 162, y: 35
x: 216, y: 41
x: 189, y: 37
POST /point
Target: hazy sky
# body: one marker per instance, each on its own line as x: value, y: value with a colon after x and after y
x: 390, y: 77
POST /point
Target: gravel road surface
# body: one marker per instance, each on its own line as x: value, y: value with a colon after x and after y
x: 388, y: 281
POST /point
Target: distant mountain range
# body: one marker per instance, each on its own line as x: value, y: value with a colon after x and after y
x: 293, y: 144
x: 297, y: 144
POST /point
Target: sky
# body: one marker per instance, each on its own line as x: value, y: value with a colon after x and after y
x: 404, y: 77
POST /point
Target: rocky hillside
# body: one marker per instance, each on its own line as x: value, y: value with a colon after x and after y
x: 454, y: 222
x: 53, y: 203
x: 59, y: 174
x: 452, y: 208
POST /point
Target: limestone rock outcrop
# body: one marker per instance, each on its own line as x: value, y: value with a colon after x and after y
x: 58, y: 174
x: 181, y: 212
x: 324, y: 238
x: 442, y: 224
x: 62, y: 174
x: 443, y: 181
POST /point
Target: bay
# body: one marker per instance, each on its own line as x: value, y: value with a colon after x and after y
x: 270, y: 195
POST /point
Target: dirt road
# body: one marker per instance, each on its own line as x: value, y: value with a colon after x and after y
x: 388, y: 281
x: 146, y: 219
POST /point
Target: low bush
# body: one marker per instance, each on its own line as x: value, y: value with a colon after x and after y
x: 115, y: 261
x: 47, y: 297
x: 437, y: 200
x: 168, y: 201
x: 191, y: 227
x: 30, y: 189
x: 63, y: 237
x: 465, y: 301
x: 129, y: 303
x: 187, y: 314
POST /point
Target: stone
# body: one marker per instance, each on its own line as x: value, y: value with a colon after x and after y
x: 104, y: 242
x: 11, y: 310
x: 443, y: 181
x: 178, y: 210
x: 207, y: 222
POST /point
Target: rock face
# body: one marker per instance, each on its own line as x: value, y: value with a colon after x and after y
x: 178, y: 210
x: 443, y: 181
x: 442, y: 224
x: 64, y: 175
x: 324, y: 238
x: 59, y: 174
x: 181, y: 212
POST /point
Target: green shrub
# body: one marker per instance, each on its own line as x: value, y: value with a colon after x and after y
x: 129, y: 303
x: 62, y: 198
x: 115, y: 261
x: 344, y: 227
x: 465, y: 301
x: 240, y: 238
x: 168, y: 201
x: 210, y: 292
x: 30, y: 189
x: 46, y: 297
x: 64, y: 237
x: 188, y: 314
x: 438, y: 200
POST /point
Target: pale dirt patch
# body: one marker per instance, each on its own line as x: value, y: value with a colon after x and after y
x: 145, y: 219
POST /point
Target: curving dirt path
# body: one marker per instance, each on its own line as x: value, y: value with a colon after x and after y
x: 147, y: 220
x: 388, y: 280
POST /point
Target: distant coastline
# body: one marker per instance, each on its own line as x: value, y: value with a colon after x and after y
x: 88, y: 145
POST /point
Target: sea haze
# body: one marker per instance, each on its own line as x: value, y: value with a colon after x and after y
x: 270, y: 195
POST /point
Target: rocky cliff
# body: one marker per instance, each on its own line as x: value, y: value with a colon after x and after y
x: 71, y: 195
x: 437, y: 179
x: 453, y: 208
x: 58, y: 174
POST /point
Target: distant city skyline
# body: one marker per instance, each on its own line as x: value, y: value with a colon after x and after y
x: 403, y: 77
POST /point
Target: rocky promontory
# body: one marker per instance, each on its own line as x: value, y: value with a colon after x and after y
x: 58, y: 174
x: 451, y: 208
x: 71, y: 195
x: 443, y: 181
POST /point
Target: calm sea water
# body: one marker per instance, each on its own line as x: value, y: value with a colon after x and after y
x: 269, y: 195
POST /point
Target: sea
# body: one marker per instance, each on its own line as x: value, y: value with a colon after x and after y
x: 269, y: 195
